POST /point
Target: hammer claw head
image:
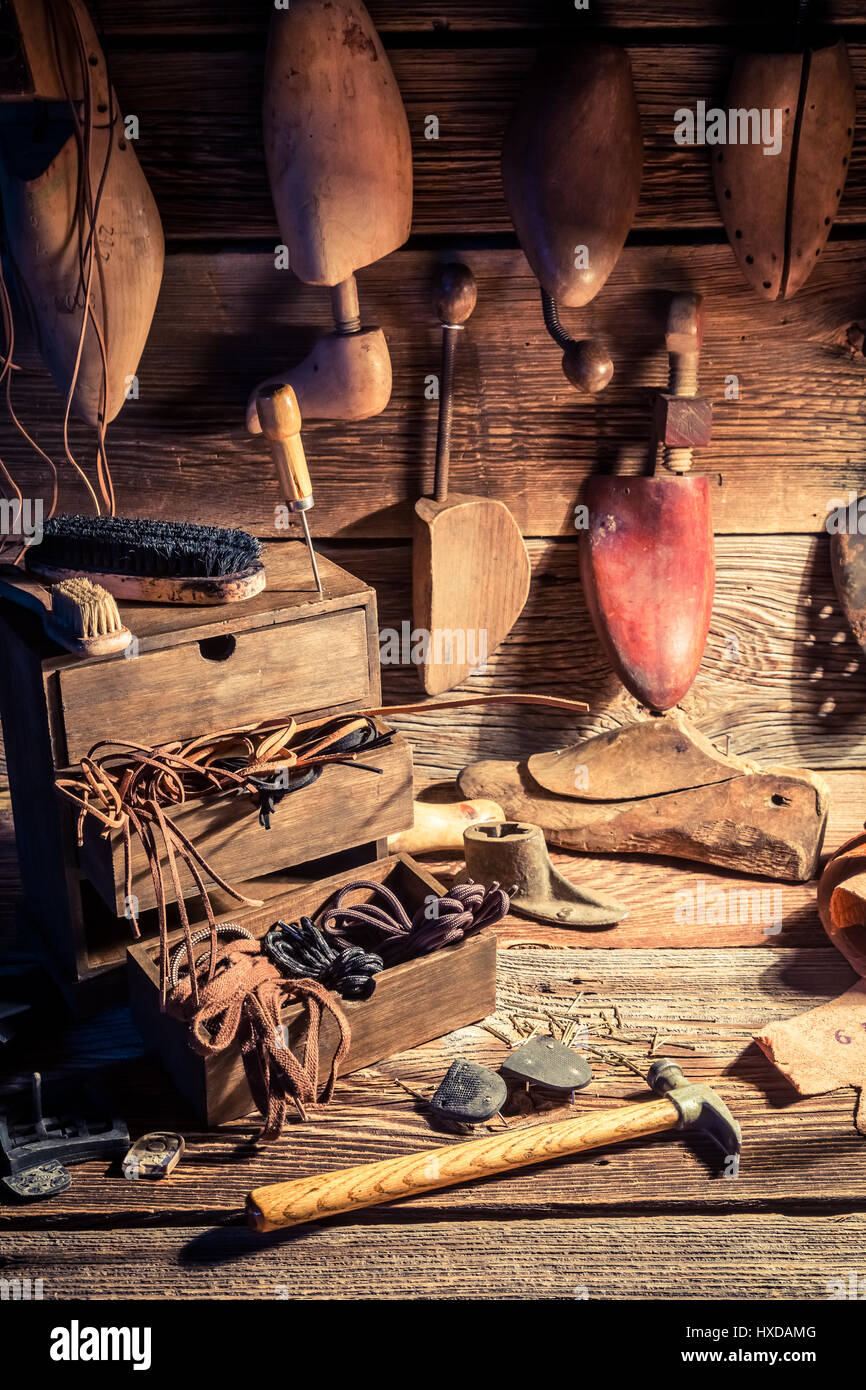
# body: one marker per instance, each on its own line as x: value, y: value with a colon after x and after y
x: 717, y: 1121
x: 699, y: 1106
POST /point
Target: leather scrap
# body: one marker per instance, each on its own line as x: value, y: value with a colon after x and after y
x: 825, y: 1049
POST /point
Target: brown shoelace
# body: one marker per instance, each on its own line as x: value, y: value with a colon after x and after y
x: 132, y: 789
x: 242, y: 1000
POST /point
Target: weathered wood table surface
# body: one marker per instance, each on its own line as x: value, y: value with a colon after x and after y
x: 653, y: 1221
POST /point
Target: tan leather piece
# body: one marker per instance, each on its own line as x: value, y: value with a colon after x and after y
x: 778, y: 208
x: 825, y: 1049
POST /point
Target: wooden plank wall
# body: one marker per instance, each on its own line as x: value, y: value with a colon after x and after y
x: 782, y: 679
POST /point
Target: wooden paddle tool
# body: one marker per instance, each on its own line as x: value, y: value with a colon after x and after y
x: 778, y: 188
x: 470, y: 568
x: 679, y: 1105
x: 339, y: 160
x: 571, y: 169
x: 646, y: 557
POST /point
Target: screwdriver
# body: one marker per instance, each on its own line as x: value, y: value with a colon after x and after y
x: 280, y: 418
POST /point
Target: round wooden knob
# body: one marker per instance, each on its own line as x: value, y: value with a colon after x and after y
x: 278, y: 411
x: 455, y: 294
x: 587, y: 365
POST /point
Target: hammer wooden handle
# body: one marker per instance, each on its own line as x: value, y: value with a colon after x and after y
x: 309, y: 1199
x: 280, y: 418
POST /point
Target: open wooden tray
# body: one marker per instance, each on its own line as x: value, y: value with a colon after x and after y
x: 412, y: 1003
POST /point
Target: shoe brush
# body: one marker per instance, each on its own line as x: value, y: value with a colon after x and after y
x: 77, y: 614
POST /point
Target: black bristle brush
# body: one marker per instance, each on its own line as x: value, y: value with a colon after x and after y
x: 151, y: 561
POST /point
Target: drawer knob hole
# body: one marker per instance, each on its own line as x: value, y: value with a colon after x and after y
x: 218, y: 648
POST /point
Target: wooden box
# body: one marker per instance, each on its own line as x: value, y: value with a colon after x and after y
x: 411, y: 1004
x: 192, y: 670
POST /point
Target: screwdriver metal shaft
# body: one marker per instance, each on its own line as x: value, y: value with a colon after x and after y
x: 305, y: 524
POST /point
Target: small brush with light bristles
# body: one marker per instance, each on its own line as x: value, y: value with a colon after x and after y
x: 77, y: 614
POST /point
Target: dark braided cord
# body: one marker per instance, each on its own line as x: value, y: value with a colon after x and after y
x: 300, y: 951
x: 464, y: 910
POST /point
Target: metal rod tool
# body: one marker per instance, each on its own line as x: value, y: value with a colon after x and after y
x: 280, y: 419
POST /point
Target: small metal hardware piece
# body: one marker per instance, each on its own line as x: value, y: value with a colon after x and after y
x: 154, y: 1155
x: 36, y: 1183
x: 68, y: 1137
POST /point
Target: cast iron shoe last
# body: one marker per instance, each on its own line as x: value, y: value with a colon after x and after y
x: 514, y: 853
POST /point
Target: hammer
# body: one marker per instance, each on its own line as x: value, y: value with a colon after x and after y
x: 684, y: 1105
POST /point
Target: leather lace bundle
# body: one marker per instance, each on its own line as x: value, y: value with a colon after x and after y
x: 132, y: 789
x: 302, y: 952
x: 395, y: 935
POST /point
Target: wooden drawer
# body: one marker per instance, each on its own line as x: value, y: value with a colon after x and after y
x: 347, y: 806
x: 231, y: 677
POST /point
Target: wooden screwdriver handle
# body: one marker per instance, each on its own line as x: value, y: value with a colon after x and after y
x: 280, y: 418
x: 310, y: 1199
